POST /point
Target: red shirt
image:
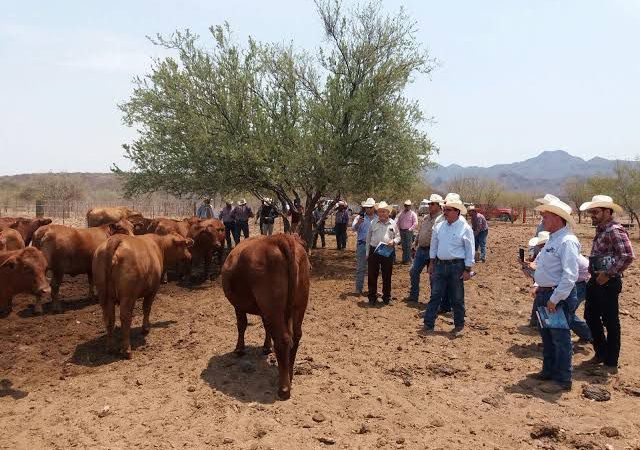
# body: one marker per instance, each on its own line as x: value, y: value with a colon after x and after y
x: 612, y: 239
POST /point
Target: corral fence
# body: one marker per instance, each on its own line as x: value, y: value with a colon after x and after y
x: 78, y: 209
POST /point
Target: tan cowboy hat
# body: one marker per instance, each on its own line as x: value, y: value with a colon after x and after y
x: 601, y: 201
x: 407, y: 203
x: 541, y: 238
x: 559, y: 208
x: 434, y: 198
x: 368, y: 203
x: 384, y: 205
x: 546, y: 199
x: 471, y: 208
x: 452, y: 200
x: 242, y: 201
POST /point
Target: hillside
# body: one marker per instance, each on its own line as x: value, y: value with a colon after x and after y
x: 545, y: 172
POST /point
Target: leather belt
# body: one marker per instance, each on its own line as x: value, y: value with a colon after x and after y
x: 546, y: 288
x: 447, y: 262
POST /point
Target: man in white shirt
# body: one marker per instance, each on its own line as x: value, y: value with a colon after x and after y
x: 451, y: 253
x: 382, y: 230
x: 555, y: 275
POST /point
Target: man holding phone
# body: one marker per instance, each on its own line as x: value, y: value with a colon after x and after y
x: 611, y: 254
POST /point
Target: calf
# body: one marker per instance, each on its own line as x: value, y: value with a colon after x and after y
x: 269, y: 276
x: 10, y: 239
x: 69, y: 251
x: 208, y: 238
x: 22, y: 271
x: 127, y: 268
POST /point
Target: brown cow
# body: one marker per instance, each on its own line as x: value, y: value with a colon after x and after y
x: 269, y: 276
x: 22, y: 271
x: 26, y: 227
x: 142, y: 225
x: 105, y: 216
x: 127, y: 268
x: 208, y: 238
x: 69, y: 251
x: 10, y: 239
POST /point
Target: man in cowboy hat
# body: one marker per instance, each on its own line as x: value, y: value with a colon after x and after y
x: 383, y: 231
x: 205, y: 211
x: 242, y: 214
x: 577, y: 325
x: 451, y: 252
x: 340, y: 224
x: 611, y: 254
x: 361, y: 225
x: 555, y: 275
x: 267, y: 215
x: 226, y: 216
x: 480, y: 229
x: 423, y: 242
x: 407, y: 222
x: 543, y: 201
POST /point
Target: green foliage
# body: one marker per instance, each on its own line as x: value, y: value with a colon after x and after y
x: 266, y: 119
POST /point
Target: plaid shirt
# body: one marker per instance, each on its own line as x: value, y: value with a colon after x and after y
x: 479, y: 224
x: 613, y: 240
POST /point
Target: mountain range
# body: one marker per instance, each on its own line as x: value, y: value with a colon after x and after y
x: 546, y: 172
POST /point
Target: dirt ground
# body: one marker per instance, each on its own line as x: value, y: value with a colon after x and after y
x: 365, y: 377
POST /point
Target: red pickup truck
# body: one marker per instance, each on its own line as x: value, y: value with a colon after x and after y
x: 497, y: 213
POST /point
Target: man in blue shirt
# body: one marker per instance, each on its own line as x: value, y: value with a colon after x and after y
x: 555, y: 275
x: 205, y: 211
x: 452, y: 256
x: 361, y: 227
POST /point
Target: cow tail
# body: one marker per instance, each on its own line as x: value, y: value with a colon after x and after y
x: 289, y: 249
x: 111, y: 260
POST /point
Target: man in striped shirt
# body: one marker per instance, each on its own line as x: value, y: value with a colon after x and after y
x: 611, y: 254
x: 480, y: 232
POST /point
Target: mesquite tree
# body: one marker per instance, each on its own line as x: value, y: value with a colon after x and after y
x: 266, y: 119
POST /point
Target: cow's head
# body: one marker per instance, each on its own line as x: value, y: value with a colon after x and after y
x: 178, y: 250
x: 121, y: 227
x: 141, y: 225
x: 26, y: 269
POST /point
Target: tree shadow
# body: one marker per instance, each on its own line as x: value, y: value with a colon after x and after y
x: 530, y: 350
x: 249, y: 378
x: 530, y: 386
x: 66, y: 305
x: 7, y: 391
x: 333, y: 264
x: 93, y: 353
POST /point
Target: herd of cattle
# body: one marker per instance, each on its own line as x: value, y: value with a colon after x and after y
x: 126, y: 256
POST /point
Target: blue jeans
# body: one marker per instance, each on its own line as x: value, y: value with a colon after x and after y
x: 361, y: 264
x: 579, y: 326
x: 481, y: 243
x: 446, y: 281
x: 420, y: 261
x: 557, y: 350
x: 406, y: 237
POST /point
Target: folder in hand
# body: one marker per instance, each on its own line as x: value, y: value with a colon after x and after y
x: 548, y: 319
x: 384, y: 250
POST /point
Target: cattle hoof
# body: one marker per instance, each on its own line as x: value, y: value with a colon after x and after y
x: 284, y: 393
x: 37, y: 310
x: 126, y: 354
x: 5, y: 312
x: 145, y: 330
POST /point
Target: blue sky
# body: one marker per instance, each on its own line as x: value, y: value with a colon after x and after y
x: 515, y: 77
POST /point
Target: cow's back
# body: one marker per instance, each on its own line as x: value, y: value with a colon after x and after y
x: 10, y: 239
x: 105, y: 216
x: 70, y: 250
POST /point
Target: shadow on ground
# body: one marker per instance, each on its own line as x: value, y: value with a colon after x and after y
x: 93, y: 353
x: 248, y: 378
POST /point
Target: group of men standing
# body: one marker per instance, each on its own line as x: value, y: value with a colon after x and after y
x: 556, y: 271
x: 235, y: 218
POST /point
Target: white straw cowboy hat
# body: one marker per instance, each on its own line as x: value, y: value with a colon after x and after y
x: 242, y: 201
x: 559, y: 208
x: 471, y: 208
x: 452, y: 200
x: 407, y: 203
x: 368, y: 203
x: 541, y: 238
x: 435, y: 198
x: 546, y: 199
x: 384, y: 205
x: 601, y: 201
